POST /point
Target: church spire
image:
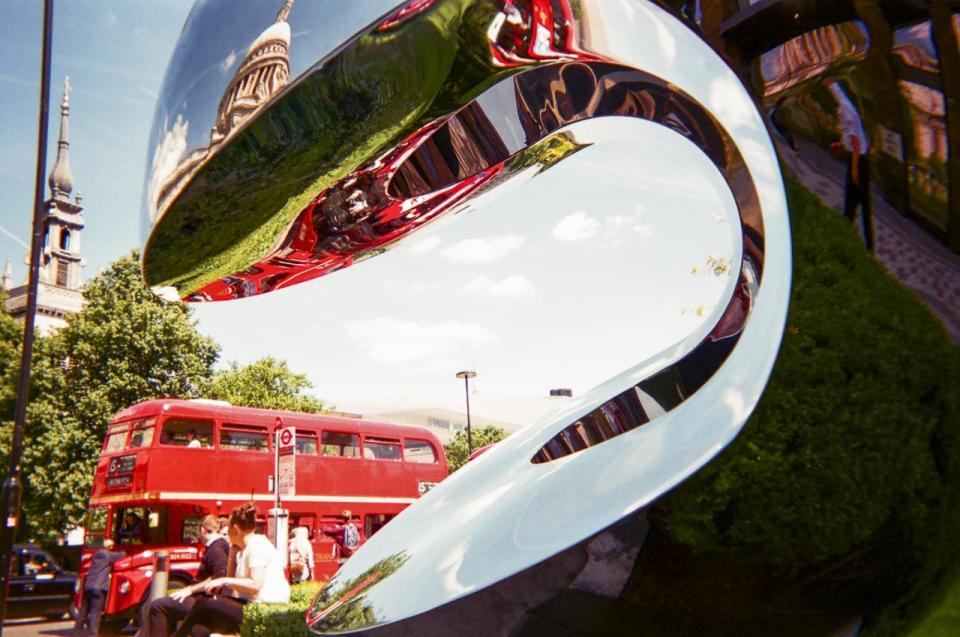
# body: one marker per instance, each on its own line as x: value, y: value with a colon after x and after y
x: 284, y: 11
x: 61, y: 179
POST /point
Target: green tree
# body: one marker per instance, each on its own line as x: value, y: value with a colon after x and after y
x: 126, y: 346
x: 266, y: 383
x: 456, y: 449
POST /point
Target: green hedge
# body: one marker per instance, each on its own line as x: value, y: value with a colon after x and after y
x: 281, y: 620
x: 840, y: 499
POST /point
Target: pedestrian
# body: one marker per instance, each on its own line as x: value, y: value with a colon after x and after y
x: 301, y: 555
x: 95, y: 585
x: 256, y: 575
x: 166, y: 612
x: 853, y: 141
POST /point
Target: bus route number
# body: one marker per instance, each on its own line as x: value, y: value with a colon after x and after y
x: 423, y: 487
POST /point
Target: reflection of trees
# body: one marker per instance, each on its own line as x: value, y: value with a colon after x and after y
x: 344, y: 606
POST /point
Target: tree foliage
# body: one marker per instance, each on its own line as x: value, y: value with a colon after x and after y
x: 456, y: 449
x: 124, y: 347
x: 266, y: 383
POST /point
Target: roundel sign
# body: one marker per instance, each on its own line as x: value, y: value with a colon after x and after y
x: 286, y: 437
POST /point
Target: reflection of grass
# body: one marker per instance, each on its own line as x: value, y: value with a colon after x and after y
x: 354, y: 612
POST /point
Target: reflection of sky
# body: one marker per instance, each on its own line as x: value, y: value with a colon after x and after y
x: 590, y: 268
x: 918, y: 34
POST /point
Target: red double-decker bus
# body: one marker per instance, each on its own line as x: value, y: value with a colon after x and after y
x: 167, y: 463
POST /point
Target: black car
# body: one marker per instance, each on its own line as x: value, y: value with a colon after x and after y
x: 38, y: 586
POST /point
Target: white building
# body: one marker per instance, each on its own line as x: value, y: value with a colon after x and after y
x: 59, y: 291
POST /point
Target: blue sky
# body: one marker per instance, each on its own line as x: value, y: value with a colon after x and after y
x: 595, y: 265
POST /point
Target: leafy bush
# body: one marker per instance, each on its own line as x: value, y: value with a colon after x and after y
x: 839, y: 500
x: 281, y: 620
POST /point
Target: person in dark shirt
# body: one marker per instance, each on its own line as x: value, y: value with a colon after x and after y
x: 167, y: 611
x: 95, y: 585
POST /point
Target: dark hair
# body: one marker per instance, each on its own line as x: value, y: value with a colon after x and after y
x: 244, y: 517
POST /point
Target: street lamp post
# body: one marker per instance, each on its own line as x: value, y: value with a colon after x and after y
x: 466, y: 375
x: 12, y: 488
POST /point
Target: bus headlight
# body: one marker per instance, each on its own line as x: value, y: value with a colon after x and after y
x: 124, y: 587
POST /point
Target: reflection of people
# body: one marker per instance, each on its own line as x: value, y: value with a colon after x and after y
x: 192, y: 438
x: 167, y: 611
x: 131, y: 529
x: 95, y: 585
x: 853, y: 139
x: 301, y: 555
x: 255, y: 576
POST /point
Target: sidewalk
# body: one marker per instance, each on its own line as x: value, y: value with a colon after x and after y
x: 921, y: 263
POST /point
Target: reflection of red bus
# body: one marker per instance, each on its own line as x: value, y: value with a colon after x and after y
x: 167, y: 463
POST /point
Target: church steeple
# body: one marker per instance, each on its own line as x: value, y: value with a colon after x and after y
x: 284, y: 11
x: 61, y: 179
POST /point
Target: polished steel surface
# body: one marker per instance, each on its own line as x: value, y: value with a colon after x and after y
x: 307, y: 172
x: 418, y: 131
x: 359, y: 151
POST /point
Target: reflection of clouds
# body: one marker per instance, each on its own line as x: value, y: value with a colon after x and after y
x: 166, y: 158
x: 485, y: 250
x: 515, y: 285
x: 575, y: 227
x: 730, y: 103
x: 617, y: 223
x: 228, y: 62
x: 388, y: 340
x: 424, y: 246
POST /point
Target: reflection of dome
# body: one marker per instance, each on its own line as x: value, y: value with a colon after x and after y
x: 264, y: 71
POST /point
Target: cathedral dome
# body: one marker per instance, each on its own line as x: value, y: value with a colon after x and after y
x: 276, y: 31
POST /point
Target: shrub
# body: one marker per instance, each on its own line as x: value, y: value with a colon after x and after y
x: 839, y: 500
x: 281, y: 620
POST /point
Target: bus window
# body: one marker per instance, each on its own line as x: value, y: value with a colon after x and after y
x: 381, y: 449
x: 336, y: 443
x: 306, y: 520
x: 116, y: 437
x: 142, y: 435
x: 419, y: 451
x: 140, y: 525
x: 191, y: 529
x: 244, y: 437
x: 373, y: 522
x: 96, y: 526
x: 186, y: 432
x: 306, y: 442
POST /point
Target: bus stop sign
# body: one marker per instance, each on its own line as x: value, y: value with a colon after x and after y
x: 287, y: 463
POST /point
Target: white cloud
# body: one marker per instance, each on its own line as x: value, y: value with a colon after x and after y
x: 228, y: 62
x: 166, y: 158
x: 575, y: 227
x: 485, y: 250
x: 388, y: 340
x: 514, y: 285
x: 424, y: 246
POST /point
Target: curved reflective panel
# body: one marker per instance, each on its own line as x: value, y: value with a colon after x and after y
x: 422, y: 123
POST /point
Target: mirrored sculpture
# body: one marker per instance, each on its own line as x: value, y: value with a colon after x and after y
x: 295, y: 141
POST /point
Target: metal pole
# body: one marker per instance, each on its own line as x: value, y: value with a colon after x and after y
x: 466, y: 388
x: 12, y: 487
